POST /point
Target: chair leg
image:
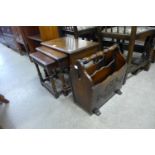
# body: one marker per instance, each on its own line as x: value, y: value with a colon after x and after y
x: 3, y: 99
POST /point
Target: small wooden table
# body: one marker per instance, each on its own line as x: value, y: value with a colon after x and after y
x: 74, y: 48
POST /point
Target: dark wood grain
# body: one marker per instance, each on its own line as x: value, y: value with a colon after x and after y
x: 91, y: 91
x: 42, y: 59
x: 69, y: 45
x: 51, y: 53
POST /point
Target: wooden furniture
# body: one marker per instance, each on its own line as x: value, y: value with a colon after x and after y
x: 97, y: 78
x: 153, y: 56
x: 153, y: 52
x: 36, y: 34
x: 48, y: 32
x: 131, y: 35
x: 124, y: 32
x: 13, y: 37
x: 61, y: 60
x: 7, y: 37
x: 64, y: 51
x: 85, y: 32
x: 3, y: 99
x: 49, y: 66
x: 32, y: 37
x: 94, y: 76
x: 74, y: 48
x: 24, y: 39
x: 20, y: 39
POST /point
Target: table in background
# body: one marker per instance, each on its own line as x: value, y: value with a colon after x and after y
x: 131, y: 34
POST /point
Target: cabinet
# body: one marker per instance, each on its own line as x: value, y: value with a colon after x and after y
x: 7, y: 37
x: 12, y: 37
x: 36, y: 34
x: 25, y: 39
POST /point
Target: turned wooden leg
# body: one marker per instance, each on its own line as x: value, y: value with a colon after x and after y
x: 56, y: 94
x: 52, y: 82
x: 62, y: 78
x: 39, y: 73
x: 64, y: 87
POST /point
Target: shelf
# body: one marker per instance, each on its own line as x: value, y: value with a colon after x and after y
x: 35, y: 38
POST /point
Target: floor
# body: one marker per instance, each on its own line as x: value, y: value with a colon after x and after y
x: 32, y: 106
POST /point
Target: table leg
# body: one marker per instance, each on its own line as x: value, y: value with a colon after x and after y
x: 52, y: 83
x: 62, y: 78
x: 39, y: 73
x: 130, y: 49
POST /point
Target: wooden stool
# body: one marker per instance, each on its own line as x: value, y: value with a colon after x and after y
x: 62, y: 62
x: 49, y: 66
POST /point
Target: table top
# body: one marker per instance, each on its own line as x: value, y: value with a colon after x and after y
x: 56, y: 55
x: 41, y: 58
x: 142, y: 32
x: 69, y: 45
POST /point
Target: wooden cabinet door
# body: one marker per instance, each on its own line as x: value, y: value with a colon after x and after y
x: 48, y: 32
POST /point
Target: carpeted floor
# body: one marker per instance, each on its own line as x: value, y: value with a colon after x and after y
x: 32, y: 106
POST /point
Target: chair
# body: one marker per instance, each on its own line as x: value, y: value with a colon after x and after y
x: 112, y: 37
x: 85, y: 32
x: 97, y: 78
